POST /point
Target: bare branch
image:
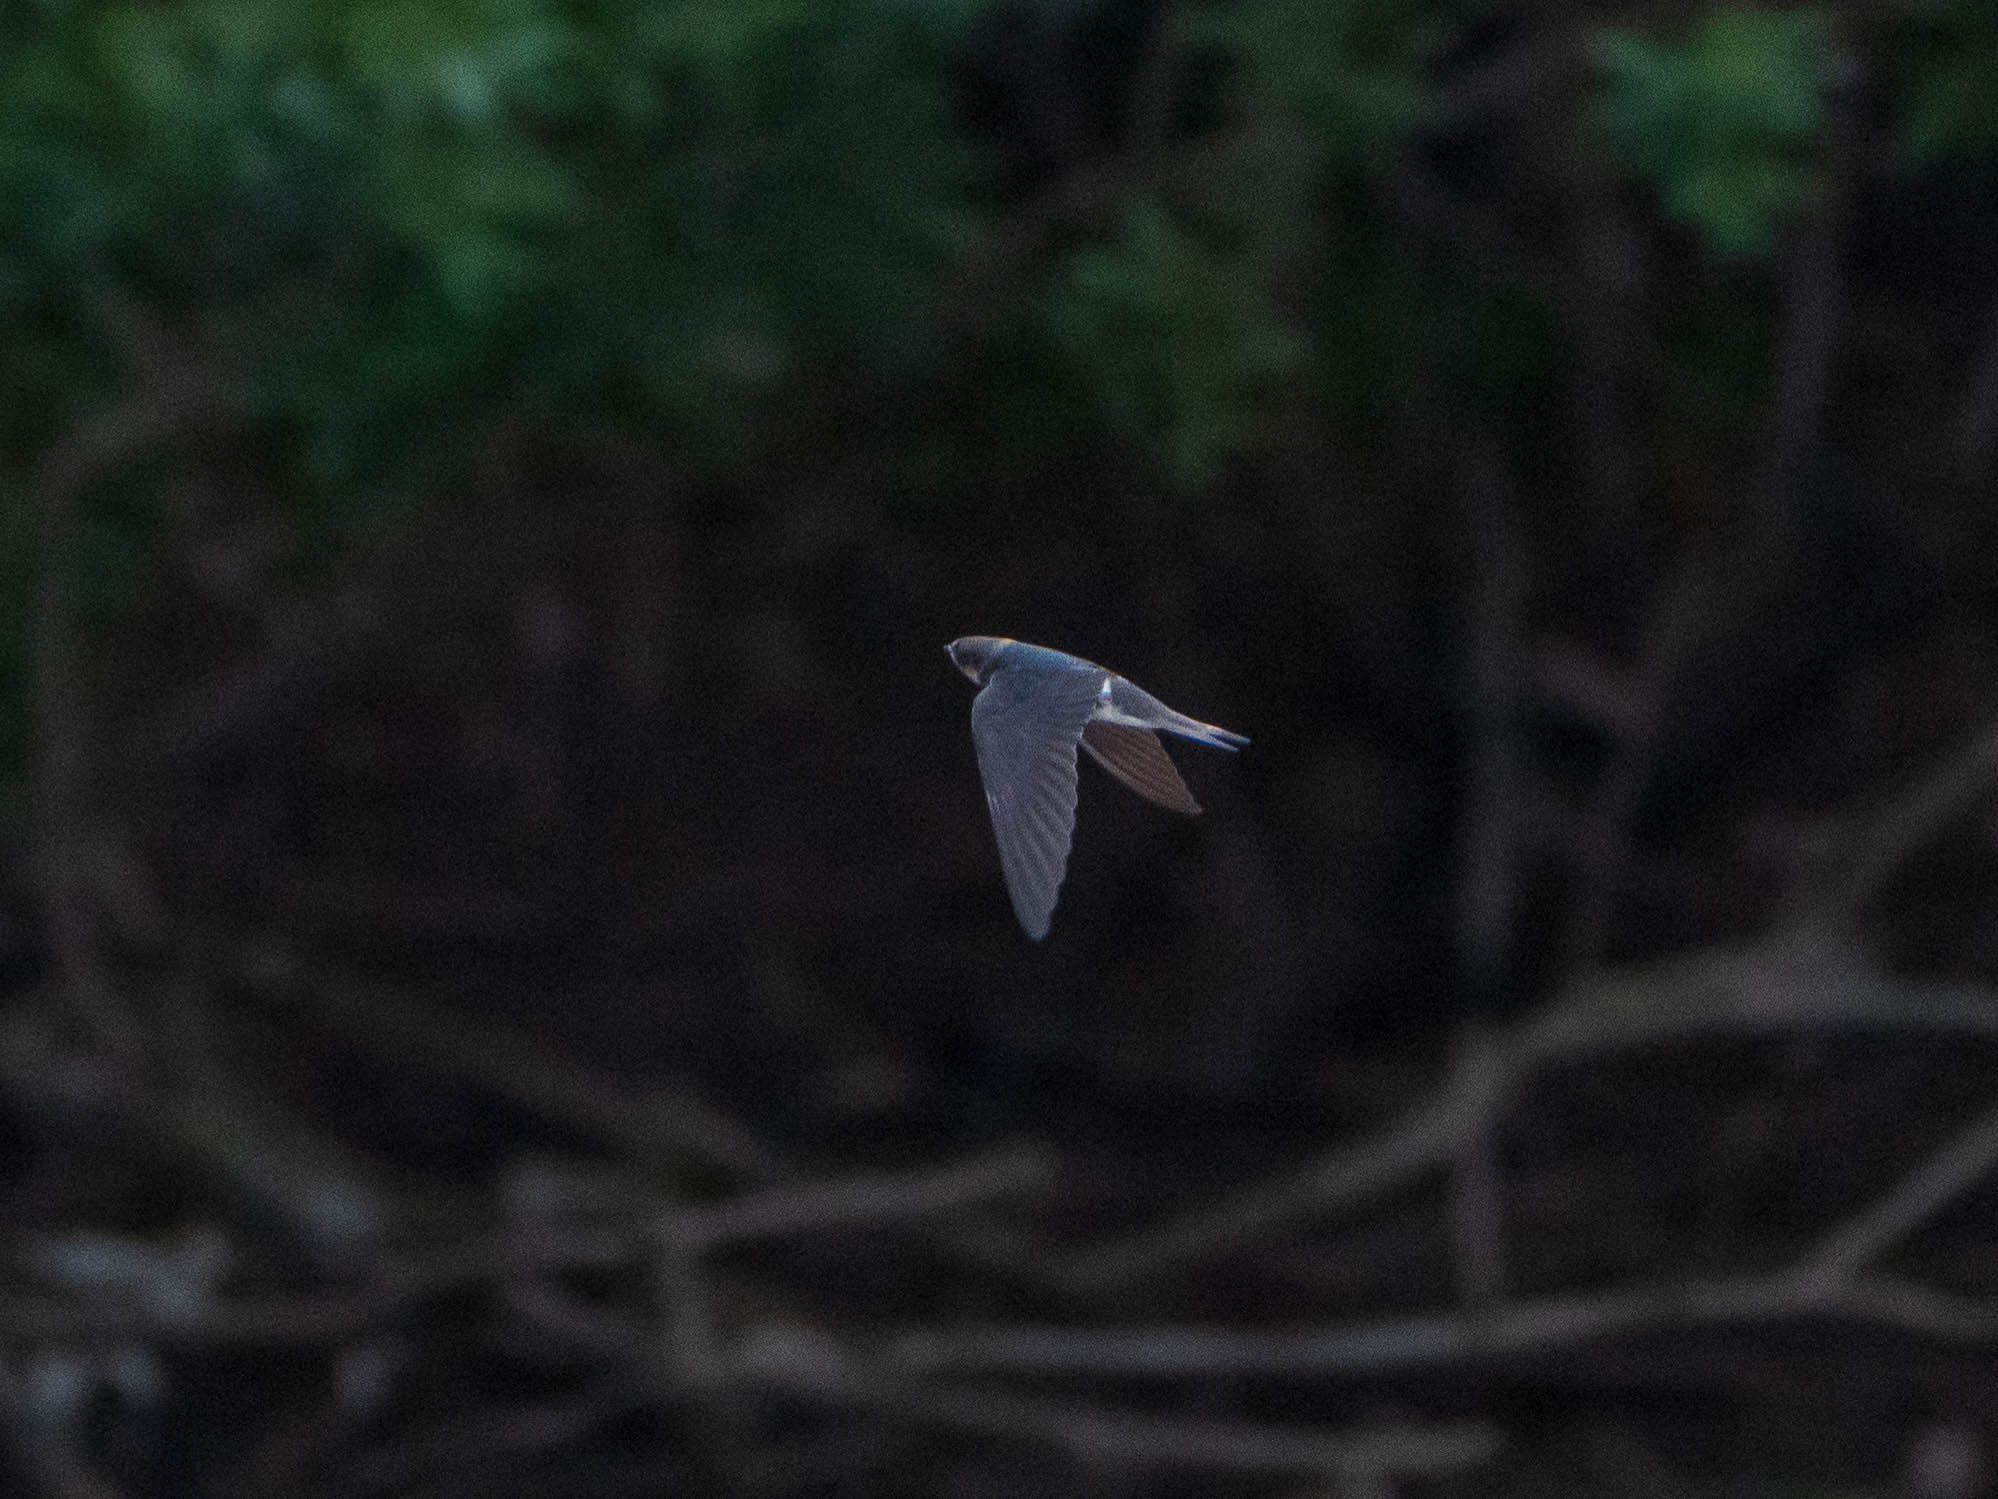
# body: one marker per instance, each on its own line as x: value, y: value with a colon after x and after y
x: 1390, y: 1158
x: 1977, y: 423
x: 1403, y: 1345
x: 1945, y: 792
x: 167, y: 400
x: 1680, y: 619
x: 858, y: 1202
x: 1814, y: 304
x: 1934, y: 1185
x: 1495, y: 800
x: 46, y: 1458
x: 803, y: 1362
x: 650, y: 1126
x: 1812, y: 987
x: 1477, y: 1205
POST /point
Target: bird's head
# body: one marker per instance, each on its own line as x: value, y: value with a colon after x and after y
x: 974, y: 655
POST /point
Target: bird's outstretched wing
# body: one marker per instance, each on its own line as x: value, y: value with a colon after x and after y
x: 1135, y: 757
x: 1025, y: 733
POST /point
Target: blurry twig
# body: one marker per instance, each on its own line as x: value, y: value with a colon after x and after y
x: 553, y: 1313
x: 497, y: 1434
x: 1590, y: 689
x: 1977, y: 423
x: 1707, y: 602
x: 1680, y: 620
x: 986, y: 283
x: 1042, y: 73
x: 803, y: 1362
x: 46, y: 1457
x: 1495, y: 810
x: 318, y: 1190
x: 690, y: 1348
x: 652, y: 1126
x: 305, y: 643
x: 1392, y: 1157
x: 1777, y: 990
x: 1814, y: 304
x: 1401, y: 1345
x: 309, y: 1182
x: 1431, y: 208
x: 1603, y: 277
x: 400, y: 1026
x: 1477, y: 1202
x: 1512, y: 79
x: 1088, y: 197
x: 859, y: 1202
x: 168, y: 396
x: 275, y: 1320
x: 1944, y: 792
x: 1941, y: 1179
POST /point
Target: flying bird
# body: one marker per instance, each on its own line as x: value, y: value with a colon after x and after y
x: 1034, y: 706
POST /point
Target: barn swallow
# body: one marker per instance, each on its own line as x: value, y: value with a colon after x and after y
x: 1033, y: 707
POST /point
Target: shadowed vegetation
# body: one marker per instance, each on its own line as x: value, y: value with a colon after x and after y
x: 508, y: 987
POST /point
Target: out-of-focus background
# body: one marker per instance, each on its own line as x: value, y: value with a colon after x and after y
x: 507, y: 985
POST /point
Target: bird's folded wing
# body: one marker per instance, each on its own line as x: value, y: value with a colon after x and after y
x: 1025, y: 733
x: 1135, y: 757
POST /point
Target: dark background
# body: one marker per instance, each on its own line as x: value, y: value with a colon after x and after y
x: 507, y: 984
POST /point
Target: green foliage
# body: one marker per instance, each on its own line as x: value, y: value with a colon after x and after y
x: 1721, y: 124
x: 1349, y: 73
x: 392, y: 217
x: 1174, y: 339
x: 1952, y: 86
x: 411, y: 206
x: 395, y: 215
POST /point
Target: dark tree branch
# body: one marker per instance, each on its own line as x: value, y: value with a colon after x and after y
x: 168, y: 398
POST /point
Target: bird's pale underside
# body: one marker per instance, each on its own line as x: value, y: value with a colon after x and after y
x: 1034, y: 707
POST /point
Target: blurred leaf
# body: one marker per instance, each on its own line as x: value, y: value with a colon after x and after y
x: 727, y: 45
x: 654, y: 207
x: 1349, y: 73
x: 472, y: 209
x: 1173, y: 342
x: 464, y: 61
x: 1721, y: 124
x: 951, y: 21
x: 861, y: 200
x: 1951, y: 85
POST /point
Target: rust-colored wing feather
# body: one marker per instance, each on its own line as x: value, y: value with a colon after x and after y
x: 1135, y: 757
